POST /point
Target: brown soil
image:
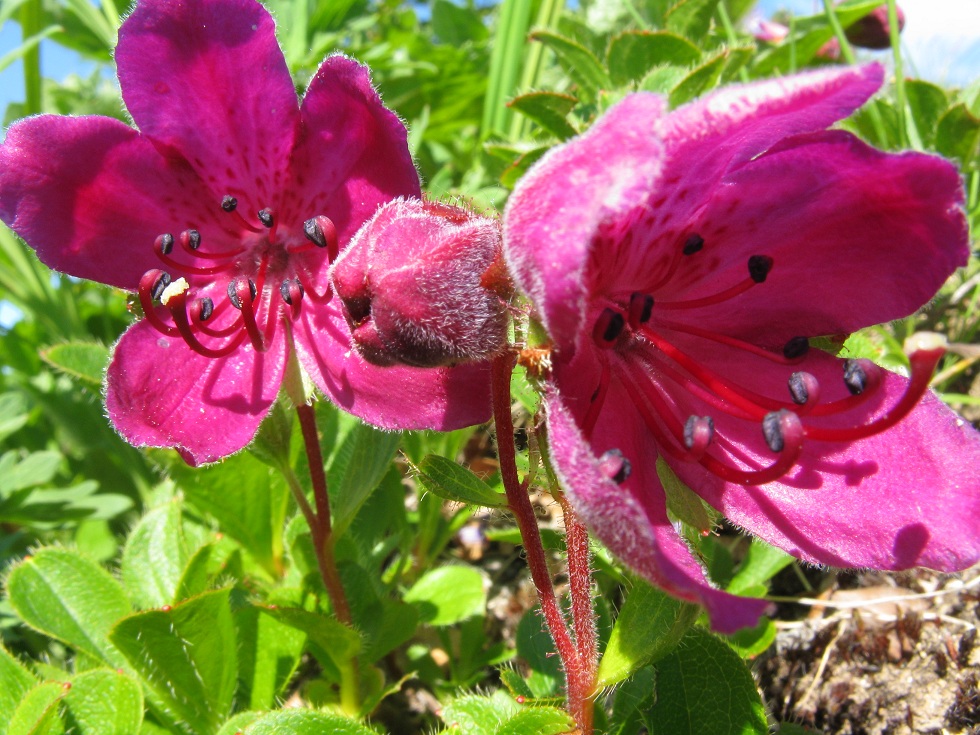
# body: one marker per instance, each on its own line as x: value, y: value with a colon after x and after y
x: 893, y: 655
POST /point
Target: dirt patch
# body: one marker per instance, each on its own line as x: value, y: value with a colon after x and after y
x: 894, y: 655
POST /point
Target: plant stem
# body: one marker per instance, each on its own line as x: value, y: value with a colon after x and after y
x: 31, y: 18
x: 578, y: 681
x: 848, y: 53
x: 580, y: 588
x: 320, y: 520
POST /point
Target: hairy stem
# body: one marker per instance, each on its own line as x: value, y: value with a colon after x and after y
x: 580, y: 589
x: 320, y: 520
x: 578, y: 681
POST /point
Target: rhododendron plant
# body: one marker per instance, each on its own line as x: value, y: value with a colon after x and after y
x: 222, y: 212
x: 680, y: 263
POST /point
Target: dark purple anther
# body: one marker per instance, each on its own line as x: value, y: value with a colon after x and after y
x: 759, y: 267
x: 693, y: 244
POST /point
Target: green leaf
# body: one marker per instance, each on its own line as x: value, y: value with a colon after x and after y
x: 187, y: 658
x: 537, y: 721
x: 927, y: 103
x: 631, y: 700
x: 268, y: 653
x: 515, y: 683
x: 536, y: 647
x: 330, y: 641
x: 649, y: 626
x: 384, y: 632
x: 450, y: 481
x: 703, y: 686
x: 549, y: 110
x: 958, y: 135
x: 633, y: 54
x: 762, y: 562
x: 154, y: 557
x: 356, y: 470
x: 700, y: 80
x: 197, y: 573
x: 683, y: 502
x: 85, y: 361
x: 580, y: 63
x: 456, y: 25
x: 475, y: 715
x: 246, y: 497
x: 34, y: 469
x: 103, y: 702
x: 15, y: 682
x: 306, y: 722
x: 750, y: 642
x: 37, y: 713
x: 691, y: 18
x: 13, y: 413
x: 448, y: 595
x: 237, y: 724
x: 68, y: 597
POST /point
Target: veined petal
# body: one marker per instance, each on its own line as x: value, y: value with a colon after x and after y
x: 737, y: 123
x: 908, y: 496
x: 352, y: 155
x: 388, y: 397
x: 90, y: 195
x: 160, y: 393
x: 631, y: 519
x: 207, y: 81
x: 857, y: 236
x: 558, y: 208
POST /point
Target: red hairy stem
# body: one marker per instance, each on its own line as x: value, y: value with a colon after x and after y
x: 320, y: 520
x: 580, y: 591
x: 578, y: 681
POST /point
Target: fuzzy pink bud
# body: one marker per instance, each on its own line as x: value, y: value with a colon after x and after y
x: 423, y: 284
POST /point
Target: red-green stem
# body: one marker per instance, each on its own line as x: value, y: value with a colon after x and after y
x: 319, y: 521
x: 578, y: 681
x: 580, y: 589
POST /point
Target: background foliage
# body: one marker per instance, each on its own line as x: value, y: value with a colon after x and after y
x: 141, y: 596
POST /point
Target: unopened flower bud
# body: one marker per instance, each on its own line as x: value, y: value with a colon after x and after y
x: 872, y: 31
x: 424, y: 284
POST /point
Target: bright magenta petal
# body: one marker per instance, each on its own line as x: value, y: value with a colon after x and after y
x: 159, y: 393
x: 389, y: 397
x: 90, y: 195
x: 737, y: 123
x: 208, y: 81
x: 561, y: 205
x: 352, y: 156
x: 909, y: 496
x: 631, y: 519
x: 837, y: 198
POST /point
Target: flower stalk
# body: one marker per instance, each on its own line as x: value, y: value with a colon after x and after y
x: 579, y: 674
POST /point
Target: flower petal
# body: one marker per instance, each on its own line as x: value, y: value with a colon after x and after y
x: 388, y: 397
x: 90, y: 195
x: 737, y: 123
x: 208, y: 81
x: 160, y: 393
x: 857, y: 237
x: 908, y: 496
x: 557, y: 209
x: 352, y: 156
x: 630, y: 519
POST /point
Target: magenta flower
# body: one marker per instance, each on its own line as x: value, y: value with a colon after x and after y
x: 680, y: 262
x: 223, y: 212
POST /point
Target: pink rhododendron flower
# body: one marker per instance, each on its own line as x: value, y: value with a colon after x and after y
x: 223, y: 211
x: 423, y: 283
x: 679, y: 262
